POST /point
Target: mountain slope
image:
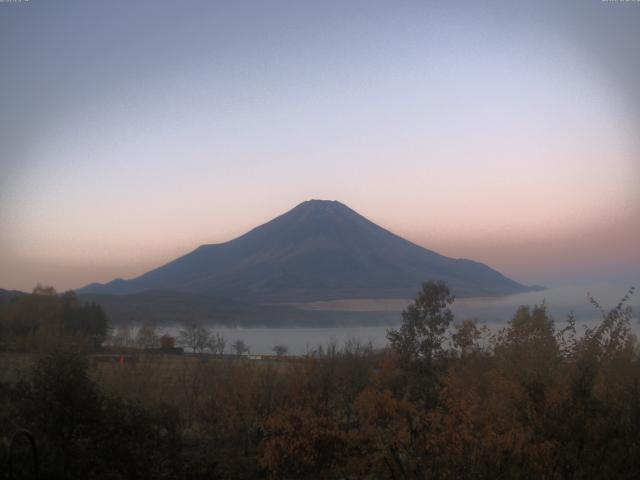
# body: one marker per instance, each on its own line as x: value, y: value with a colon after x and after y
x: 318, y: 250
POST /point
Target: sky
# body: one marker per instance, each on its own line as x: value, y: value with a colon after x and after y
x: 505, y: 132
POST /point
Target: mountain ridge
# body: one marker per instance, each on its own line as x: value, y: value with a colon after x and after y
x: 319, y: 250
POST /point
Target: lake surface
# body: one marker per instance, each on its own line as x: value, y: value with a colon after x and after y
x: 493, y: 312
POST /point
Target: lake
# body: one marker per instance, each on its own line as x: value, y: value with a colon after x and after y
x: 493, y: 312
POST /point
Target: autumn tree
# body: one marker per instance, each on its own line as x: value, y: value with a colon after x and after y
x: 83, y: 433
x: 167, y: 341
x: 419, y: 340
x: 302, y: 443
x: 594, y: 427
x: 46, y: 320
x: 60, y: 403
x: 467, y: 337
x: 424, y: 323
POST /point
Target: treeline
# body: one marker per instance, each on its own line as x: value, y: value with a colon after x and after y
x: 444, y: 400
x: 46, y: 320
x: 197, y: 338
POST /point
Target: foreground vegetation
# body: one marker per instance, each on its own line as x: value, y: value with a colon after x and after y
x: 445, y: 400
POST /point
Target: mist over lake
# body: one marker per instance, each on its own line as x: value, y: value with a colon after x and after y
x: 494, y: 312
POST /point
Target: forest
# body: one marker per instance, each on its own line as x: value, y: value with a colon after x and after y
x: 540, y: 398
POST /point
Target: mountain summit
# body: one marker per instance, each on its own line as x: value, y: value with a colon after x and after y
x: 319, y: 250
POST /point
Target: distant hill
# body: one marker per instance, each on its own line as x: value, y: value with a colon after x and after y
x: 319, y: 250
x: 163, y: 307
x: 6, y: 295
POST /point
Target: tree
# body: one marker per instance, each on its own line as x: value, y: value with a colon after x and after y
x: 301, y: 443
x: 424, y: 323
x: 146, y: 337
x: 45, y: 290
x: 419, y: 341
x: 122, y: 337
x: 83, y: 433
x: 280, y: 350
x: 193, y: 336
x: 167, y: 341
x: 45, y: 320
x: 217, y: 343
x: 60, y: 403
x: 88, y: 320
x: 240, y: 347
x: 467, y: 336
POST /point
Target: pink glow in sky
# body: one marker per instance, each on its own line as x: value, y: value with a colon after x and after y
x: 131, y: 136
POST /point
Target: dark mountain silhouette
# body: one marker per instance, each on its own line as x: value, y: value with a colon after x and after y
x: 7, y: 295
x: 319, y: 250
